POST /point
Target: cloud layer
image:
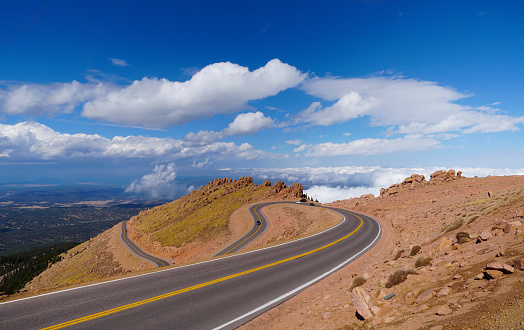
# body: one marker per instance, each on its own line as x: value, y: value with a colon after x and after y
x: 35, y: 141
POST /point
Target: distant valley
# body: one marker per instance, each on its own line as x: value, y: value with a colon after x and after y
x: 36, y: 215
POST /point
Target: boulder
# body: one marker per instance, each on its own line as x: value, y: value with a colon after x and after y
x: 443, y: 292
x: 479, y: 276
x: 512, y: 226
x: 506, y: 269
x: 444, y: 310
x: 375, y: 310
x: 358, y: 297
x: 444, y: 244
x: 519, y: 264
x: 492, y: 274
x: 485, y: 235
x: 425, y: 296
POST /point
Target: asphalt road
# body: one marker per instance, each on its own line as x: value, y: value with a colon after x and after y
x: 138, y: 251
x: 222, y: 293
x: 256, y: 213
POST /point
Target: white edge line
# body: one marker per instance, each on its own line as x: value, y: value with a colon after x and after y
x: 303, y: 286
x: 170, y: 269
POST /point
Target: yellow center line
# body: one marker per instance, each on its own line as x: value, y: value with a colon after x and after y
x: 194, y: 287
x: 249, y: 236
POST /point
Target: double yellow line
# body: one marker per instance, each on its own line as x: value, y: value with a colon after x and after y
x: 194, y: 287
x: 256, y: 231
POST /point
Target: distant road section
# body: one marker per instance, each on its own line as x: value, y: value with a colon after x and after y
x: 253, y: 234
x: 139, y: 252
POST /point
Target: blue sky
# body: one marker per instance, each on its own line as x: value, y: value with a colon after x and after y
x: 361, y: 92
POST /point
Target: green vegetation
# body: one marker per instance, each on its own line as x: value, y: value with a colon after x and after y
x: 18, y: 269
x: 357, y: 281
x: 399, y: 276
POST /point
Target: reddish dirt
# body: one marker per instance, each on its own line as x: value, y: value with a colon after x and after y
x: 417, y: 215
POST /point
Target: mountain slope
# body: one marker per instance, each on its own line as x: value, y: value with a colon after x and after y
x: 189, y: 229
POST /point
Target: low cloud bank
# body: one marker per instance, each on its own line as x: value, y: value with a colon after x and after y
x: 325, y: 194
x: 329, y: 184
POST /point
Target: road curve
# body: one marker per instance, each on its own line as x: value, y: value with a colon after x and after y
x: 219, y: 294
x: 138, y: 251
x: 255, y: 232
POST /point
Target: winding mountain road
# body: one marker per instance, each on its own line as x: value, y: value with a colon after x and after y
x: 138, y: 251
x: 256, y: 231
x: 223, y: 293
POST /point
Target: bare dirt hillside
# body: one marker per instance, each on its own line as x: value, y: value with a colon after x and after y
x: 451, y: 253
x: 189, y: 229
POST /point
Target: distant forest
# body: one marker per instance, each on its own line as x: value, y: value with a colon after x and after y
x: 20, y: 268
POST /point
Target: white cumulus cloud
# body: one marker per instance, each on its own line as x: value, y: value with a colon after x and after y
x: 217, y: 88
x: 350, y: 106
x: 414, y: 106
x: 159, y: 183
x: 35, y: 99
x: 249, y: 123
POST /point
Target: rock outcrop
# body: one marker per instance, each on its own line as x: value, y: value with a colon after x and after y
x: 443, y: 176
x: 409, y: 183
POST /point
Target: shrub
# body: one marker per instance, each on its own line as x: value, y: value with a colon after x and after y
x: 452, y: 226
x: 422, y: 261
x: 399, y: 253
x: 414, y: 250
x: 399, y: 276
x: 357, y: 281
x: 462, y: 237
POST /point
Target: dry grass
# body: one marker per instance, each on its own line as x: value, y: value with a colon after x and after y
x: 195, y: 217
x: 357, y: 281
x: 399, y: 254
x: 423, y: 261
x: 399, y: 276
x: 456, y: 224
x: 414, y: 250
